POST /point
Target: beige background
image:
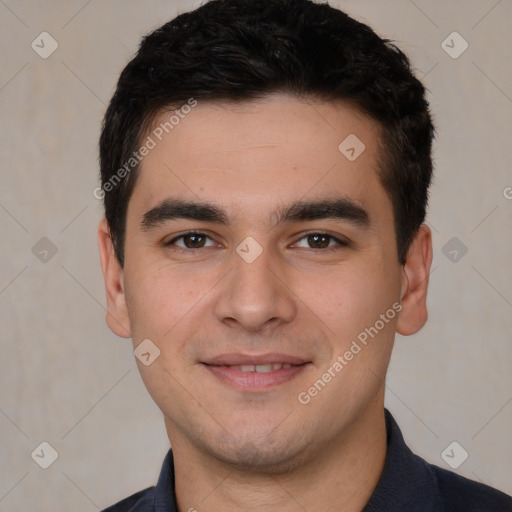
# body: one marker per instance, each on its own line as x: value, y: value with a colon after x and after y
x: 67, y: 380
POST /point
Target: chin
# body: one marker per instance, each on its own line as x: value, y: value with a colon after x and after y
x: 270, y: 454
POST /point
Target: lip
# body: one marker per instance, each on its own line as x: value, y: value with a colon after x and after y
x: 246, y: 359
x: 221, y: 367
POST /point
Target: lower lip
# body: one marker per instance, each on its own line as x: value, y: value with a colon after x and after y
x: 255, y: 381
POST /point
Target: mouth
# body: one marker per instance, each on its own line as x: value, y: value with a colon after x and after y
x: 250, y: 373
x: 260, y: 368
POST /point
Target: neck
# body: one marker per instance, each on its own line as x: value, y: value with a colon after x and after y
x: 340, y: 476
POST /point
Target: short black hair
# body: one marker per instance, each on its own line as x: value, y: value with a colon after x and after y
x: 241, y: 50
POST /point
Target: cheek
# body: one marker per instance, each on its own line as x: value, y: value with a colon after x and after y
x: 165, y: 309
x: 165, y: 300
x: 349, y: 299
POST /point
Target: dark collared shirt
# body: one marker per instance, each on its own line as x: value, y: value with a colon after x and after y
x: 407, y: 484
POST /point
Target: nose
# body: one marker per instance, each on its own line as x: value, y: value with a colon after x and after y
x: 256, y: 293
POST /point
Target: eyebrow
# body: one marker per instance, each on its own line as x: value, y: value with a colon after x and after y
x: 340, y: 208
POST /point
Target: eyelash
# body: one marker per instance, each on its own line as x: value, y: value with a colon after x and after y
x: 340, y: 243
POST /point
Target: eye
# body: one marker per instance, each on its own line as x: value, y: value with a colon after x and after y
x: 191, y: 240
x: 315, y: 240
x: 323, y: 241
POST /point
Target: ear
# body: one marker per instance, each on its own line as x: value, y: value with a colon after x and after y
x: 415, y: 275
x: 117, y: 313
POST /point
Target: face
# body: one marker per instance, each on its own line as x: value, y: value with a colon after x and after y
x: 260, y: 261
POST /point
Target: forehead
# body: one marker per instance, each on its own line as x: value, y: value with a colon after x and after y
x: 254, y: 155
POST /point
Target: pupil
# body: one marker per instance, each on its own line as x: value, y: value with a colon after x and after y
x: 194, y: 240
x: 316, y: 238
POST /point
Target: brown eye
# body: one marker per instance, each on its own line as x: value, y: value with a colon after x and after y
x: 318, y: 241
x: 191, y: 240
x: 322, y: 241
x: 194, y: 241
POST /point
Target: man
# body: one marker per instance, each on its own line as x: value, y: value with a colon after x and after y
x: 265, y: 169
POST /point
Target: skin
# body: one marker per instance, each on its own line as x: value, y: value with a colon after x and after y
x: 242, y: 450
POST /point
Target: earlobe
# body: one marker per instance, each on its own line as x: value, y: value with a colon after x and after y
x: 117, y: 313
x: 415, y: 279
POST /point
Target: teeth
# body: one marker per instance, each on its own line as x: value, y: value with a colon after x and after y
x: 261, y: 368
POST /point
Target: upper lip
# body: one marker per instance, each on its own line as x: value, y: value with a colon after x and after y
x: 253, y: 359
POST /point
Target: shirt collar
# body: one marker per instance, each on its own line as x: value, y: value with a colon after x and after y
x: 406, y: 481
x: 165, y: 497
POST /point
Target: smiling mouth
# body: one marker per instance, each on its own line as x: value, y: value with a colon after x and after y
x: 261, y: 368
x: 255, y: 377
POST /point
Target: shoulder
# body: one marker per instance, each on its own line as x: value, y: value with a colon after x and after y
x: 410, y: 483
x: 141, y: 501
x: 462, y: 494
